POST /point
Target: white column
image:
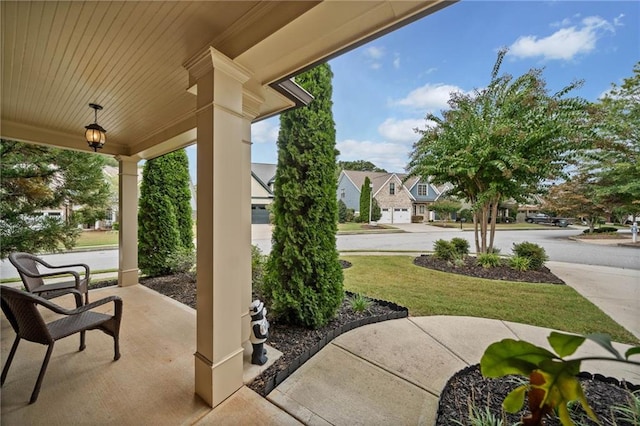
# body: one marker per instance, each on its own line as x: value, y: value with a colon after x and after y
x: 224, y: 224
x: 128, y: 233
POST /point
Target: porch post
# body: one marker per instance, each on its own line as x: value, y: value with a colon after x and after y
x: 128, y: 221
x: 224, y: 226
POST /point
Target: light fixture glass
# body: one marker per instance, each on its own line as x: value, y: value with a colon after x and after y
x: 96, y: 136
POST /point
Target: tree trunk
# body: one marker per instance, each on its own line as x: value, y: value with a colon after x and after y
x: 494, y: 215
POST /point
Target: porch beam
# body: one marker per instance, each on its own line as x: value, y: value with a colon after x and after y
x: 128, y: 221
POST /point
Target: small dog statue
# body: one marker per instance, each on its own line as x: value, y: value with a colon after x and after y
x: 259, y: 332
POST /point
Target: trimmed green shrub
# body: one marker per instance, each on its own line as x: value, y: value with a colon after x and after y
x: 445, y: 250
x: 258, y: 261
x: 520, y: 263
x: 536, y: 254
x: 417, y: 219
x: 602, y: 230
x: 488, y: 260
x: 350, y: 215
x: 342, y: 212
x: 181, y: 261
x: 303, y: 276
x: 376, y: 213
x: 461, y: 245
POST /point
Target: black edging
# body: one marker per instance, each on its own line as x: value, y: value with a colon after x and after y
x: 280, y: 376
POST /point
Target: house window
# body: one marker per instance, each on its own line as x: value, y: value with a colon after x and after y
x: 421, y: 209
x: 392, y: 188
x: 422, y: 190
x: 342, y: 194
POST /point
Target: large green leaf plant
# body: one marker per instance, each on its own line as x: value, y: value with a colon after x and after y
x: 552, y: 378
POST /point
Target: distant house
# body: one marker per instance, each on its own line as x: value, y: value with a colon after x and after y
x: 398, y: 201
x: 262, y: 180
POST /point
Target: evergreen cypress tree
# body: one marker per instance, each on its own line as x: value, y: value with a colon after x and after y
x: 304, y: 276
x: 365, y: 195
x: 165, y: 234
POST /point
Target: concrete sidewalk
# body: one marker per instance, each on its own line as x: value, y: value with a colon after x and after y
x: 393, y: 372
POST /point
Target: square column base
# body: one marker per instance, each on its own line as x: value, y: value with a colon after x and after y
x: 217, y: 382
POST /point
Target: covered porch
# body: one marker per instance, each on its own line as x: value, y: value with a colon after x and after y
x: 152, y: 383
x: 168, y: 75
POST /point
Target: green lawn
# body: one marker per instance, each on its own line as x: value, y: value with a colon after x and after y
x: 97, y: 238
x: 429, y: 292
x: 353, y: 227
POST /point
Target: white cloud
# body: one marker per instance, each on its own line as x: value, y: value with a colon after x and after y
x: 265, y: 131
x: 617, y: 21
x: 401, y: 131
x: 564, y: 44
x: 390, y: 156
x: 396, y: 62
x: 430, y: 97
x: 374, y: 52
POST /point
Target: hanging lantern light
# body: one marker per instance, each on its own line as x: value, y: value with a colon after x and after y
x: 96, y: 136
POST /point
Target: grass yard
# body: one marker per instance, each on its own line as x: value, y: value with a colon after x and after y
x: 97, y: 238
x: 429, y: 292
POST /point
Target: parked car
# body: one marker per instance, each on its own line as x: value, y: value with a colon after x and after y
x: 562, y: 223
x: 538, y: 218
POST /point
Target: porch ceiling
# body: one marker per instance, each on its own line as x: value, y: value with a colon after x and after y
x: 57, y: 57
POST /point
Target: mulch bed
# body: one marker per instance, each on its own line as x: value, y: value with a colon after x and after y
x: 468, y: 389
x: 503, y: 272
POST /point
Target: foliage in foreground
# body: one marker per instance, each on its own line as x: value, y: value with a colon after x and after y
x: 36, y: 178
x: 552, y: 379
x: 304, y: 276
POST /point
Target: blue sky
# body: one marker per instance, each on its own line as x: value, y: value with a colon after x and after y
x: 384, y: 89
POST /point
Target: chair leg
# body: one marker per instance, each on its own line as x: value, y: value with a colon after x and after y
x: 43, y: 369
x: 5, y: 370
x: 116, y: 347
x: 82, y: 341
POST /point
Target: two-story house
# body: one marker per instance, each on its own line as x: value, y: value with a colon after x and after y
x: 262, y: 179
x: 398, y: 200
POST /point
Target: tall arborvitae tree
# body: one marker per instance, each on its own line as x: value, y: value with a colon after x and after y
x: 165, y: 234
x: 36, y: 178
x: 304, y: 276
x: 365, y: 195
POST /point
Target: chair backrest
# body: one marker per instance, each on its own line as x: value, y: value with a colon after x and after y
x: 21, y: 310
x: 27, y: 263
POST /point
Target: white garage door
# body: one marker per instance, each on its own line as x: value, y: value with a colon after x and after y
x: 401, y: 216
x: 386, y: 216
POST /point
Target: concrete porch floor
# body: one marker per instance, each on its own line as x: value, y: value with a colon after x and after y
x: 151, y: 384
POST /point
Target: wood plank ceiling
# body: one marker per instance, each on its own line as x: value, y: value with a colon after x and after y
x: 128, y: 56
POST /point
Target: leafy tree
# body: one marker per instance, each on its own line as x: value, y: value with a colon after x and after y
x: 445, y: 208
x: 577, y: 197
x: 617, y: 164
x: 501, y: 142
x: 360, y: 165
x: 365, y: 199
x: 304, y: 276
x: 37, y: 178
x: 165, y: 225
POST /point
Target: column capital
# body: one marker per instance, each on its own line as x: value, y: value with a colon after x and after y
x: 251, y: 103
x: 210, y: 59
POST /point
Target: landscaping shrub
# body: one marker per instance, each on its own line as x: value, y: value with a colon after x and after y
x: 465, y: 214
x: 417, y: 219
x: 602, y: 230
x: 360, y: 303
x: 536, y: 254
x: 181, y: 261
x: 342, y: 212
x: 520, y: 263
x: 461, y: 245
x: 350, y: 215
x: 488, y: 260
x: 258, y: 261
x: 445, y: 250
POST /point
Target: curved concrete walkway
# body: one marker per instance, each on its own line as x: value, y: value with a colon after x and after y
x: 393, y: 372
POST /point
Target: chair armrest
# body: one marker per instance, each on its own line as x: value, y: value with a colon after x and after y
x: 54, y: 274
x: 86, y: 267
x: 60, y: 310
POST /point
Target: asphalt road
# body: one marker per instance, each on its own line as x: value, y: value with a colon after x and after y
x: 555, y: 241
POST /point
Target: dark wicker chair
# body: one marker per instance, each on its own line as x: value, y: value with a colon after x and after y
x: 21, y: 309
x: 32, y: 278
